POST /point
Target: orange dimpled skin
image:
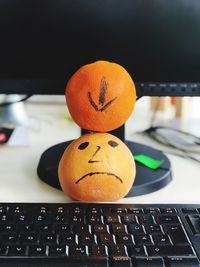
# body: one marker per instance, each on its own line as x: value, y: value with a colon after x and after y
x: 100, y: 96
x: 97, y: 167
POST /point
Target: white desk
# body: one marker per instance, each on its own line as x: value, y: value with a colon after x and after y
x: 48, y: 126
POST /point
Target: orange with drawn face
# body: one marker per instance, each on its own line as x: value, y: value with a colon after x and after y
x: 100, y: 96
x: 96, y: 167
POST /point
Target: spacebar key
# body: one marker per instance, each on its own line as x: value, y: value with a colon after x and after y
x: 59, y: 262
x: 90, y: 262
x: 183, y: 262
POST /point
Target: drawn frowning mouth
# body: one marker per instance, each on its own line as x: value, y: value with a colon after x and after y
x: 94, y: 173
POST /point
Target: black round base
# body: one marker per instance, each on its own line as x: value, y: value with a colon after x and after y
x: 147, y: 180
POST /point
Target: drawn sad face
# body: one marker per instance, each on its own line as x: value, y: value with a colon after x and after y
x: 97, y: 167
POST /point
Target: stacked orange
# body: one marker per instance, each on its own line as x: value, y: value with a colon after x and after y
x: 98, y: 166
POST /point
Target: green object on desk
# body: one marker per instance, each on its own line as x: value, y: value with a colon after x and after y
x: 148, y: 161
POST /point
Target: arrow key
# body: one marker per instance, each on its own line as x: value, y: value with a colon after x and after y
x: 17, y: 250
x: 136, y: 251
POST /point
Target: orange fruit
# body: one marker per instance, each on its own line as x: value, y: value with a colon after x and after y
x: 97, y: 167
x: 100, y: 96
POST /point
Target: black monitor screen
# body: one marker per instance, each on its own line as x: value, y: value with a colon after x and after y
x: 45, y: 40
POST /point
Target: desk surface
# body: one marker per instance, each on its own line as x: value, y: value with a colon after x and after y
x: 49, y: 126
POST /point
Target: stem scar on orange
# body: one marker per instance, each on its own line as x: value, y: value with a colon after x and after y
x: 100, y: 96
x: 97, y: 167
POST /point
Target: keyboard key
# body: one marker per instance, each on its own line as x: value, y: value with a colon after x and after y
x: 179, y: 238
x: 77, y: 219
x: 77, y: 210
x: 152, y: 210
x: 60, y: 218
x: 135, y: 210
x: 153, y: 229
x: 117, y: 250
x: 77, y: 251
x: 67, y: 239
x: 167, y: 219
x: 114, y: 218
x: 94, y: 219
x: 169, y: 251
x: 58, y: 209
x: 24, y: 228
x: 125, y: 239
x: 135, y: 251
x: 7, y: 228
x: 42, y: 210
x: 94, y: 210
x: 182, y: 262
x: 45, y: 228
x: 10, y: 239
x: 3, y: 209
x: 176, y: 233
x: 23, y: 218
x: 173, y: 228
x: 57, y: 251
x: 42, y: 218
x: 86, y: 239
x: 135, y: 229
x: 118, y: 210
x: 29, y: 238
x: 3, y: 250
x: 62, y: 228
x: 48, y: 239
x: 129, y: 218
x: 17, y: 250
x: 146, y: 219
x: 38, y: 251
x: 168, y: 211
x: 161, y: 240
x: 190, y: 211
x: 117, y: 228
x: 97, y: 250
x: 99, y: 228
x: 121, y: 261
x: 6, y: 218
x: 150, y: 262
x: 142, y: 240
x: 80, y: 228
x: 194, y: 222
x: 106, y: 239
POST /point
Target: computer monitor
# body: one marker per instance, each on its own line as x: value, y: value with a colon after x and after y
x: 42, y: 43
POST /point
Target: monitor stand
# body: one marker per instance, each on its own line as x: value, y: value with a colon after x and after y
x: 13, y: 114
x: 147, y: 180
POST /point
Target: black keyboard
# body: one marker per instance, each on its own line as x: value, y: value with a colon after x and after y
x: 99, y: 235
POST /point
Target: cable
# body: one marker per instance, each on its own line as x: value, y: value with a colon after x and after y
x: 182, y: 141
x: 11, y: 103
x: 185, y: 153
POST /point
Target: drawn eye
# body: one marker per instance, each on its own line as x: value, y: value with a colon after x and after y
x: 83, y: 145
x: 113, y: 143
